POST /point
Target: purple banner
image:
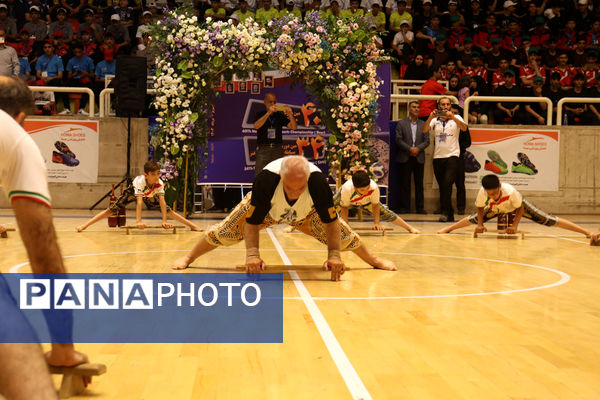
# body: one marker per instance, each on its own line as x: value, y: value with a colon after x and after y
x: 232, y: 143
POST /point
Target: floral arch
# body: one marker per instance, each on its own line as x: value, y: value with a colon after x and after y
x: 336, y: 61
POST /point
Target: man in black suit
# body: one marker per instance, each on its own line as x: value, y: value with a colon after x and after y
x: 412, y: 143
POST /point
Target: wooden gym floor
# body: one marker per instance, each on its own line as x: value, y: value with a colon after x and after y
x: 462, y: 318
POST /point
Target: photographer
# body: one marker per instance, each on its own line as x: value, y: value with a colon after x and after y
x: 446, y: 128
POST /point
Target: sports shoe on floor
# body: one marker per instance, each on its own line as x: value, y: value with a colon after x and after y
x: 66, y: 111
x: 471, y: 163
x: 495, y: 157
x: 495, y: 168
x: 63, y: 148
x: 62, y: 158
x: 83, y: 112
x: 526, y: 162
x: 521, y: 169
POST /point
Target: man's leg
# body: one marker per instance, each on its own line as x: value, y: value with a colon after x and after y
x: 541, y: 217
x: 418, y: 170
x: 405, y: 170
x: 457, y: 225
x: 461, y: 198
x: 173, y: 215
x: 23, y: 372
x: 94, y: 219
x: 201, y: 248
x: 566, y: 224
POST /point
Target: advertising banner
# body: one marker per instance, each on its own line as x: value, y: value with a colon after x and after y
x: 70, y: 148
x: 141, y: 308
x: 528, y: 159
x: 232, y: 143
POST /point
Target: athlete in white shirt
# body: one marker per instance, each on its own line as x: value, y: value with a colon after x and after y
x: 495, y: 198
x: 293, y: 191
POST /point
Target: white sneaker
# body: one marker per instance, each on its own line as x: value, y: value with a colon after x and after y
x: 65, y: 112
x: 83, y: 112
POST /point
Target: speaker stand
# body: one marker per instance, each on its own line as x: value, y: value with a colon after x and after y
x: 127, y: 178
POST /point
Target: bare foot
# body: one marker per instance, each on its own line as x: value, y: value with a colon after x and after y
x: 445, y: 230
x: 181, y: 263
x: 289, y: 229
x: 415, y: 231
x: 196, y: 228
x: 380, y: 263
x: 2, y: 229
x: 67, y: 356
x: 80, y: 228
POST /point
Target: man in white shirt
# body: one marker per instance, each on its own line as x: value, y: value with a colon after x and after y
x: 293, y: 191
x: 445, y: 127
x: 495, y: 198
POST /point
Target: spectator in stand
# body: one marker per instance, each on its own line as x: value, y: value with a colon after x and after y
x: 441, y: 54
x: 333, y: 12
x: 480, y: 110
x: 554, y: 92
x: 74, y: 6
x: 583, y: 17
x: 425, y: 39
x: 498, y: 76
x: 91, y: 25
x: 484, y: 35
x: 568, y: 36
x: 595, y: 107
x: 506, y: 111
x: 475, y: 16
x: 417, y: 70
x: 9, y: 61
x: 398, y: 16
x: 476, y: 68
x: 290, y: 10
x: 464, y: 88
x: 493, y: 57
x: 592, y: 37
x: 119, y: 32
x: 449, y: 70
x: 266, y: 13
x: 243, y: 12
x: 529, y: 20
x: 540, y: 35
x: 24, y: 46
x: 230, y: 7
x: 402, y: 43
x: 62, y: 25
x: 80, y: 73
x: 521, y: 56
x: 507, y: 16
x: 127, y: 15
x: 144, y: 27
x: 107, y: 66
x: 464, y: 58
x: 577, y: 113
x: 423, y: 18
x: 376, y: 17
x: 107, y: 44
x: 557, y: 18
x: 453, y: 85
x: 43, y: 8
x: 457, y: 34
x: 579, y: 56
x: 431, y: 87
x: 464, y: 142
x: 451, y: 16
x: 531, y: 70
x: 590, y: 69
x: 25, y: 71
x: 216, y: 12
x: 550, y: 54
x: 536, y: 111
x: 49, y: 71
x: 89, y: 47
x: 512, y: 39
x: 38, y: 30
x: 10, y: 27
x: 566, y: 72
x: 61, y: 49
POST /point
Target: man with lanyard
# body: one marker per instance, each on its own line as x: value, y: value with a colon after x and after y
x: 293, y: 191
x: 446, y: 128
x: 269, y: 126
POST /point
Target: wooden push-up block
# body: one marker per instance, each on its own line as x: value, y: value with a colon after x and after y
x: 270, y: 267
x: 501, y: 234
x: 4, y: 234
x: 372, y: 231
x: 72, y: 381
x: 128, y: 228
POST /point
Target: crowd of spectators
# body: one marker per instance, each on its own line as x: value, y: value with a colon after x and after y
x: 546, y: 48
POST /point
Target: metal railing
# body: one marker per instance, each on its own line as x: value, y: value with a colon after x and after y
x: 502, y: 99
x: 84, y: 90
x: 396, y: 101
x: 564, y: 100
x: 408, y: 84
x: 104, y: 100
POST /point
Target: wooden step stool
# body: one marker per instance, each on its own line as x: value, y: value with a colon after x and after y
x: 72, y: 381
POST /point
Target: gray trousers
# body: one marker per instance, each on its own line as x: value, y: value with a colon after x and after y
x: 265, y: 153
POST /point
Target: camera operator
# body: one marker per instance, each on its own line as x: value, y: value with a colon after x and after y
x: 446, y: 128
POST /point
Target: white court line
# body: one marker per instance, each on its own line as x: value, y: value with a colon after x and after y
x: 349, y: 374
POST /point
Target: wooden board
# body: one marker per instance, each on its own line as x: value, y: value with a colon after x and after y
x: 129, y: 228
x: 500, y: 234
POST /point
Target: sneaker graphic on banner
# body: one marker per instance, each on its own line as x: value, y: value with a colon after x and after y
x: 495, y: 157
x: 62, y: 158
x: 471, y: 163
x: 527, y: 162
x: 63, y: 148
x: 522, y: 169
x: 495, y: 168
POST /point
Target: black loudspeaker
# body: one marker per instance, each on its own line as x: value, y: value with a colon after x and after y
x: 130, y: 86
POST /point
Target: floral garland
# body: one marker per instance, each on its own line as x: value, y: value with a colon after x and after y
x: 336, y: 61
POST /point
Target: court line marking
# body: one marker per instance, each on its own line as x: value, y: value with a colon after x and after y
x: 353, y: 382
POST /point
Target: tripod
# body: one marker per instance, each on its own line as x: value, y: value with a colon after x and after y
x: 127, y: 178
